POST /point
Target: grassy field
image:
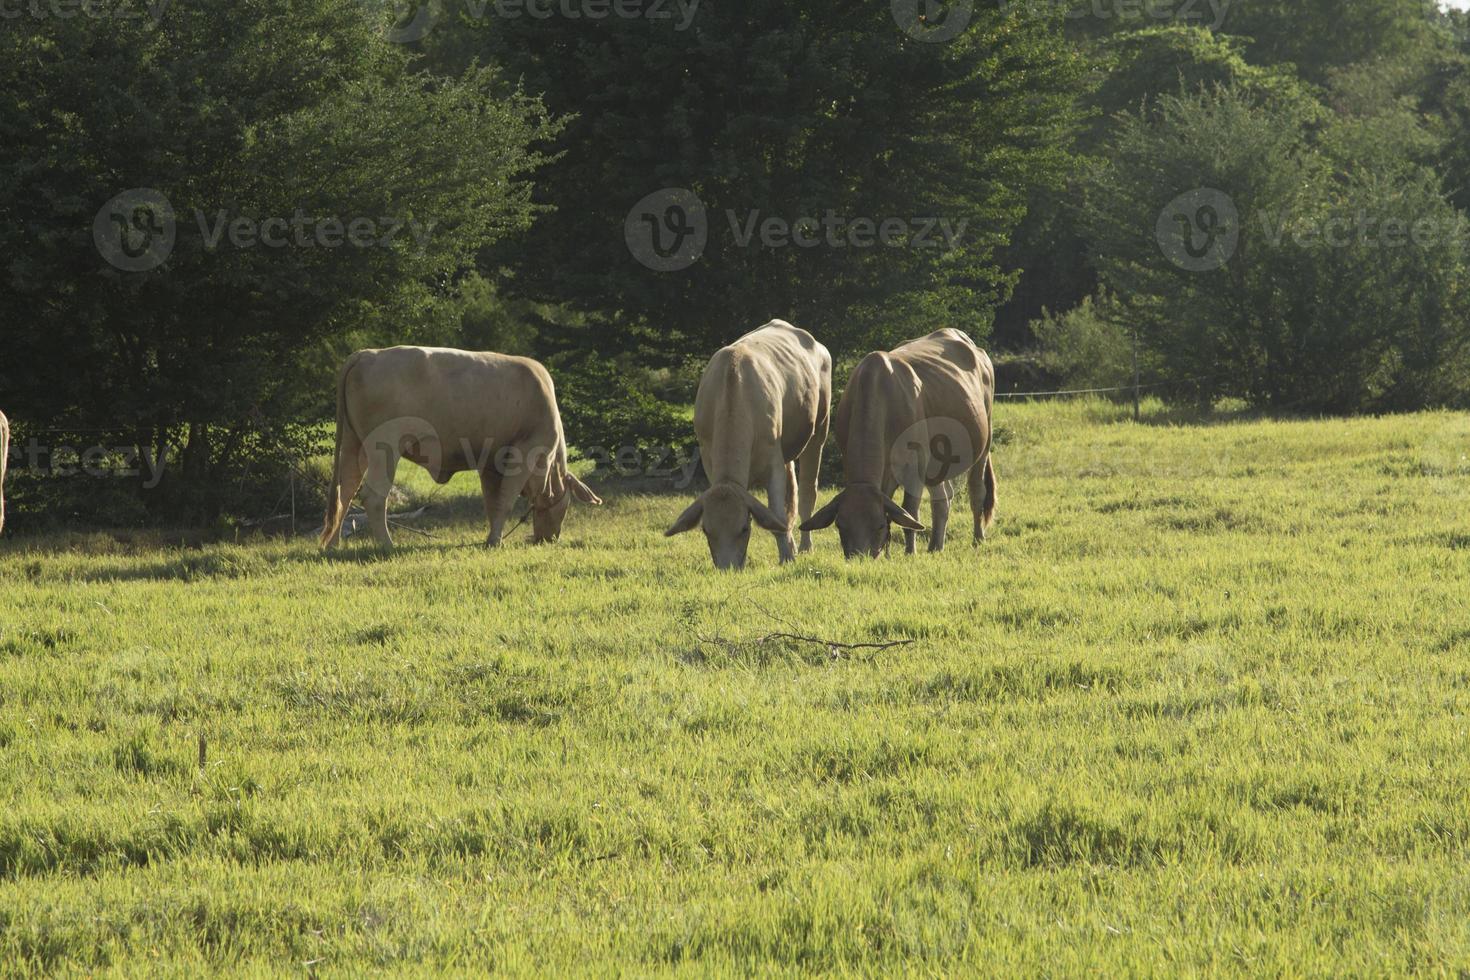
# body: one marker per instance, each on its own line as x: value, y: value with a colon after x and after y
x: 1199, y: 705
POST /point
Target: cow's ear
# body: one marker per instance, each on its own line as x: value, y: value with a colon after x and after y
x: 901, y: 517
x: 822, y: 518
x: 764, y: 516
x: 688, y: 520
x: 581, y: 490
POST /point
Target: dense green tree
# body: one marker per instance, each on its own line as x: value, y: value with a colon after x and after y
x: 1133, y: 70
x: 768, y: 109
x: 1298, y: 264
x: 201, y: 339
x: 1315, y: 36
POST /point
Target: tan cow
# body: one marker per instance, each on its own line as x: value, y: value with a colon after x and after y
x: 915, y: 417
x: 448, y: 411
x: 4, y: 458
x: 761, y: 417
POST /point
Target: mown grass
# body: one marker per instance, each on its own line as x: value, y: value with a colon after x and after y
x: 1199, y: 705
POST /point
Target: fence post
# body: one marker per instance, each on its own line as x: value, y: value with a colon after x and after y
x: 1135, y: 374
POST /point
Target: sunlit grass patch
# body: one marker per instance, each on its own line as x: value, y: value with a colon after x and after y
x: 1198, y: 705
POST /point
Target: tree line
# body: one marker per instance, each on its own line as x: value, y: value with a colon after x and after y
x: 208, y: 206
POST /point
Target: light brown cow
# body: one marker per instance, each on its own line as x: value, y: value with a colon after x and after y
x: 4, y: 458
x: 761, y: 417
x: 448, y: 411
x: 915, y: 417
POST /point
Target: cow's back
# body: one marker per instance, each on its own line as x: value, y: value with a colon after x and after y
x: 772, y: 383
x: 955, y: 376
x: 956, y: 387
x: 463, y: 398
x: 458, y: 388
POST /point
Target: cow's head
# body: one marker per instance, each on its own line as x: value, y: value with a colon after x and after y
x: 863, y: 516
x: 549, y: 508
x: 725, y: 513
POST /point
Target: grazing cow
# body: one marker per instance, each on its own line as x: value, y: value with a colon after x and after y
x: 761, y: 416
x: 4, y: 458
x: 448, y: 411
x: 916, y: 416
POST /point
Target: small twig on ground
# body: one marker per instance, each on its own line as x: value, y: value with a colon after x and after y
x: 833, y: 646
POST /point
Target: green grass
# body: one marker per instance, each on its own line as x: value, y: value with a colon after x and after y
x: 1200, y: 705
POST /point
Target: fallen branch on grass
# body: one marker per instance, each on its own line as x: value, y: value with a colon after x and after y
x: 834, y: 646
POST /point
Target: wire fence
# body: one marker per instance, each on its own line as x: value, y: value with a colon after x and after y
x: 300, y: 475
x: 1102, y: 391
x: 28, y: 429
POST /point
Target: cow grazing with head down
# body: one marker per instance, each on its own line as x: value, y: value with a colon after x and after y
x: 448, y: 411
x: 4, y: 458
x: 915, y: 417
x: 761, y: 417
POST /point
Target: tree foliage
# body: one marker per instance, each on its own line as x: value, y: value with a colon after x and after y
x: 769, y: 109
x: 1339, y: 280
x: 245, y: 111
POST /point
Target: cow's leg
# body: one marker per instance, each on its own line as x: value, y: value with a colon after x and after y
x: 350, y: 470
x: 490, y: 492
x: 939, y: 500
x: 808, y: 465
x: 503, y: 503
x: 781, y: 494
x: 351, y: 467
x: 978, y: 493
x: 911, y: 501
x: 382, y: 466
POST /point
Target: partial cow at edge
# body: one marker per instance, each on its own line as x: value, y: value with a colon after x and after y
x: 4, y: 459
x: 915, y: 417
x: 761, y: 416
x: 449, y: 411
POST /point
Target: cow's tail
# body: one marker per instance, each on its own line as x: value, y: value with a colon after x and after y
x: 349, y: 447
x: 988, y: 514
x: 4, y: 458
